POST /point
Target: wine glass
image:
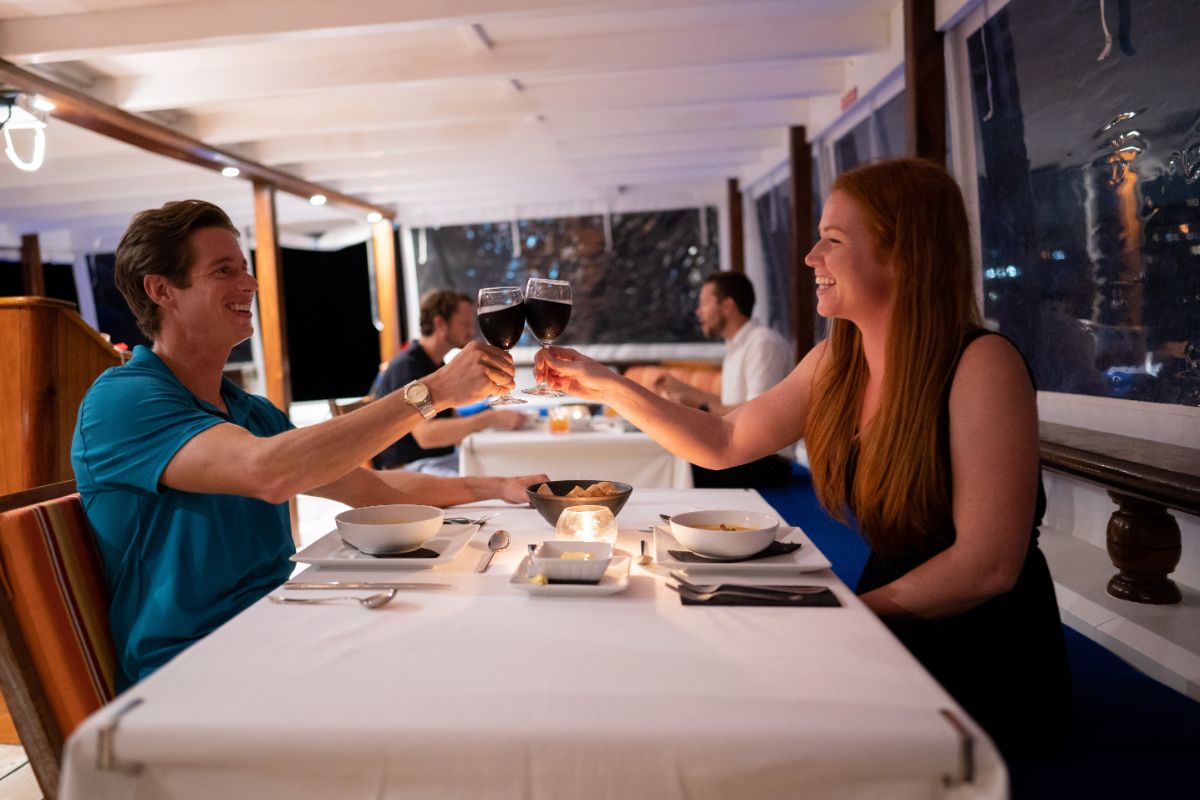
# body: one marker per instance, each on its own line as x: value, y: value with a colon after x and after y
x: 547, y: 310
x: 500, y: 312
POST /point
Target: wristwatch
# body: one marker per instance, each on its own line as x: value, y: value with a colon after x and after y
x: 416, y: 394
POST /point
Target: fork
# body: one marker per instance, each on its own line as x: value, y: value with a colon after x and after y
x: 747, y: 592
x: 791, y: 588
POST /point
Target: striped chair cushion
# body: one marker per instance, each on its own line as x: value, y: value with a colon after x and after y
x: 53, y: 577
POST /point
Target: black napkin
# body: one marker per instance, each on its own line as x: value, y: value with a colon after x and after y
x: 420, y: 552
x: 824, y: 598
x: 776, y: 548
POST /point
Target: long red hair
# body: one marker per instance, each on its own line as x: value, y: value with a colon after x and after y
x: 901, y: 488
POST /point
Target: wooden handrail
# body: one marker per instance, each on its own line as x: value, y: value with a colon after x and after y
x: 1163, y: 473
x: 1144, y: 479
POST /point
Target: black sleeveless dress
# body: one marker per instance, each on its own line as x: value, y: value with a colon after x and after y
x: 1005, y: 660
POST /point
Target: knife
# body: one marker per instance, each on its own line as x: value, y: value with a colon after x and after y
x: 363, y: 585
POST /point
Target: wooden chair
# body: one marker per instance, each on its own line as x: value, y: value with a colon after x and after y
x: 337, y: 409
x: 57, y: 660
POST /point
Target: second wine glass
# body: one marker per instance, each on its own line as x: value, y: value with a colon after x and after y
x: 547, y: 310
x: 500, y: 312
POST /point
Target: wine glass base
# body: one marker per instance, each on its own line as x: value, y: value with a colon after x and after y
x: 505, y: 400
x: 544, y: 391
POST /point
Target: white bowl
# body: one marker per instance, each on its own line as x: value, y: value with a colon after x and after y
x: 548, y: 560
x: 398, y: 528
x: 755, y: 532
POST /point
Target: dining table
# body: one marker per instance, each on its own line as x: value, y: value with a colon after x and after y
x: 488, y: 685
x: 604, y: 448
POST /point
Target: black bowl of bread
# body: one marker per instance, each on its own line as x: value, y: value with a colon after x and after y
x: 551, y: 497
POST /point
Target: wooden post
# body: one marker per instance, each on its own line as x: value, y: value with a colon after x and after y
x: 925, y: 82
x: 383, y: 244
x: 33, y: 277
x: 268, y: 269
x: 803, y: 289
x: 737, y: 231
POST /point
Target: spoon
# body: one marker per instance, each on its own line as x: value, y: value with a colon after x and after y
x: 371, y: 601
x: 499, y: 541
x: 644, y: 558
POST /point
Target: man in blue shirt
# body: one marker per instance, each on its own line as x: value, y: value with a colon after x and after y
x: 185, y: 478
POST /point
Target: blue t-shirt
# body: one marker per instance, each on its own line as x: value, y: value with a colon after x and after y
x: 178, y: 564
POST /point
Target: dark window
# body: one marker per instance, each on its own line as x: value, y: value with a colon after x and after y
x: 1089, y: 193
x: 853, y: 149
x: 333, y: 347
x: 643, y: 290
x: 774, y: 210
x: 893, y: 137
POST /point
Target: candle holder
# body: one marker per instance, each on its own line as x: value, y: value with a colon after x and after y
x: 587, y: 524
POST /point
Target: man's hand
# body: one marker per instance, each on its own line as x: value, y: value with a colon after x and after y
x: 512, y: 490
x: 676, y: 391
x: 476, y: 372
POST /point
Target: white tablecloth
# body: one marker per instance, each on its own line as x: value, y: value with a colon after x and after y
x: 632, y: 457
x: 483, y: 691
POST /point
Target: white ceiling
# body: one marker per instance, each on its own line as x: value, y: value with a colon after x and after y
x: 442, y: 110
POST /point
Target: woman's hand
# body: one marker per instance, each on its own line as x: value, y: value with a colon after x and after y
x: 572, y: 372
x: 476, y: 372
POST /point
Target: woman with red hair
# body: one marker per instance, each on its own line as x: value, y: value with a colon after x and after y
x: 920, y: 424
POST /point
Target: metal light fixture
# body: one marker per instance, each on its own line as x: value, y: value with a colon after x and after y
x: 20, y: 112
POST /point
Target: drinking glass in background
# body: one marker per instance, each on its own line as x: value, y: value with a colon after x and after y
x: 500, y: 312
x: 547, y: 311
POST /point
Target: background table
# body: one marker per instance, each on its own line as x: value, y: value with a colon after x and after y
x: 630, y: 457
x: 484, y: 691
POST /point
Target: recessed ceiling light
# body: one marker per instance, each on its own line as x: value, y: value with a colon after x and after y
x: 374, y: 217
x: 317, y: 199
x: 231, y: 172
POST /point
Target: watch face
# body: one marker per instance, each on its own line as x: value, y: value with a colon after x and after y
x: 416, y: 393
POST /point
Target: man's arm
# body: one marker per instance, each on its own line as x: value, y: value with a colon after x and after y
x: 447, y: 431
x: 678, y: 391
x: 228, y: 459
x: 364, y: 487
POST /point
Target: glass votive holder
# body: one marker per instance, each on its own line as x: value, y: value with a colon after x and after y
x: 587, y: 524
x: 560, y: 420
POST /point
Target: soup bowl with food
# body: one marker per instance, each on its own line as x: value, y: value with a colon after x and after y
x: 724, y: 534
x: 551, y: 497
x: 397, y: 528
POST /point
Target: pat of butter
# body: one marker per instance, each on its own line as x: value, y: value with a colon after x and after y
x: 539, y: 579
x: 576, y: 555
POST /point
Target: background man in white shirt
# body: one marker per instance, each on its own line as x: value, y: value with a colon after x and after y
x: 756, y: 358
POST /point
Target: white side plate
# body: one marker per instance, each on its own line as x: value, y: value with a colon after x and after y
x: 615, y: 579
x: 331, y: 551
x: 807, y: 559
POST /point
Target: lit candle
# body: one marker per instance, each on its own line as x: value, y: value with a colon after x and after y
x: 587, y: 524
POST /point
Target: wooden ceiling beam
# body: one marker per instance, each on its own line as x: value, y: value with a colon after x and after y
x: 80, y: 109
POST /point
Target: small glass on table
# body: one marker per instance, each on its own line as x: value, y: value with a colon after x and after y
x: 547, y: 310
x: 500, y: 312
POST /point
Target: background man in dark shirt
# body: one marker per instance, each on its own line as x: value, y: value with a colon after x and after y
x: 447, y: 322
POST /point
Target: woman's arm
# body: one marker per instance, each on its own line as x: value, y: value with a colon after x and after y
x: 770, y: 421
x: 228, y: 459
x: 995, y: 465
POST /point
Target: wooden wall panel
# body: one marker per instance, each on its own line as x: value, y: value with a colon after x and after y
x: 49, y: 360
x: 383, y: 245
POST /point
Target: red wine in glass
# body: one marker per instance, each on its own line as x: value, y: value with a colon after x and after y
x: 500, y: 312
x: 501, y: 326
x: 547, y: 310
x: 547, y: 318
